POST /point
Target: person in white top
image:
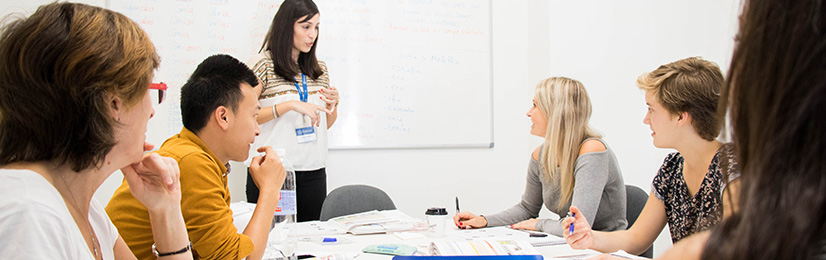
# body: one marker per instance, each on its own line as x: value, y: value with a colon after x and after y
x: 298, y: 104
x: 75, y: 101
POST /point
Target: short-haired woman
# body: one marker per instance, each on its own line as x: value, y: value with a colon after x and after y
x: 74, y: 99
x: 687, y: 192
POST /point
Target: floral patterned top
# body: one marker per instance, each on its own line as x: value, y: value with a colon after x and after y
x: 686, y: 214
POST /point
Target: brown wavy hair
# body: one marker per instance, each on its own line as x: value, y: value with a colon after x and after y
x: 776, y: 92
x: 59, y: 69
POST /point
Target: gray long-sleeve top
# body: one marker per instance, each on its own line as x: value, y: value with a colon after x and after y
x: 599, y: 193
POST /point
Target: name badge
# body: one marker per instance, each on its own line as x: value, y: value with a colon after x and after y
x: 305, y: 134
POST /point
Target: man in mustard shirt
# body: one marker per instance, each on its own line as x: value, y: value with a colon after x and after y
x: 219, y: 107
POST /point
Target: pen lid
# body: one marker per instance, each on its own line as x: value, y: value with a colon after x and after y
x: 436, y: 211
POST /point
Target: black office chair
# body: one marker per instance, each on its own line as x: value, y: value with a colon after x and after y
x: 352, y: 199
x: 635, y: 200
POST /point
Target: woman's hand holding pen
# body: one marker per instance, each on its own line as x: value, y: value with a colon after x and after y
x: 582, y: 237
x: 469, y: 220
x: 331, y: 97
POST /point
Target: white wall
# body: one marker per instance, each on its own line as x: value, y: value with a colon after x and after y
x: 604, y: 44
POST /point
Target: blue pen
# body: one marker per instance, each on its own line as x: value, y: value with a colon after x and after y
x: 571, y: 229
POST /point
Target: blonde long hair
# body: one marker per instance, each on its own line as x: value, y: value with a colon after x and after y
x: 566, y: 105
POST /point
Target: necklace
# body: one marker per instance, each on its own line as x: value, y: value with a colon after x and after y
x: 95, y: 243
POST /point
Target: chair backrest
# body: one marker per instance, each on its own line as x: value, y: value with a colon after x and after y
x: 351, y: 199
x: 635, y: 202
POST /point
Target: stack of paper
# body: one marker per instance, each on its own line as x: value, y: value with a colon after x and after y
x: 370, y: 222
x: 365, y: 218
x: 374, y: 222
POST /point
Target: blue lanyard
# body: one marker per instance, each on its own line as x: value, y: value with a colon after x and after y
x: 302, y: 95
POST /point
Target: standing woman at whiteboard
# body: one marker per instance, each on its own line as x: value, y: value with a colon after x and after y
x: 573, y: 166
x: 297, y: 104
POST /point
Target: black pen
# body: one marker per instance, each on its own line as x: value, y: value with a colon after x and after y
x: 531, y: 233
x: 457, y: 205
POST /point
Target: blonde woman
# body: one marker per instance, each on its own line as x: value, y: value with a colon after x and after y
x: 573, y: 167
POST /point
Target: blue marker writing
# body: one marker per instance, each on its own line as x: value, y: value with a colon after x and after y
x: 571, y: 229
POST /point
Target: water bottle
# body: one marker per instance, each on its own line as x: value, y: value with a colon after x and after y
x: 283, y: 239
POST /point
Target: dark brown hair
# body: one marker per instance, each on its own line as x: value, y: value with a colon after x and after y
x: 690, y: 85
x: 279, y: 41
x: 59, y: 69
x: 777, y: 95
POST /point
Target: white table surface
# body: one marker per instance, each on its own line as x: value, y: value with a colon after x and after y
x: 243, y: 212
x: 361, y: 241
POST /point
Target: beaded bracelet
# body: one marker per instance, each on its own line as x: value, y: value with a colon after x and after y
x: 159, y: 254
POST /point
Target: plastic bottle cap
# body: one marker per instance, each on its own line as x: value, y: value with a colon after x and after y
x: 436, y: 211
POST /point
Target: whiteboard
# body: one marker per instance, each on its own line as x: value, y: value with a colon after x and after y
x: 411, y: 73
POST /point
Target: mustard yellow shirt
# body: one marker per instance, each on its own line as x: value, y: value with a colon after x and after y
x: 204, y: 202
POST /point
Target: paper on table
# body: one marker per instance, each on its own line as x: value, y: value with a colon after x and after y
x: 241, y: 214
x: 504, y: 233
x: 333, y: 255
x: 620, y: 254
x: 317, y: 228
x: 365, y: 218
x: 409, y: 235
x: 491, y: 233
x: 388, y: 227
x: 373, y: 222
x: 482, y: 247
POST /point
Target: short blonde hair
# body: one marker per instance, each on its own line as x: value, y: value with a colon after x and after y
x: 690, y: 85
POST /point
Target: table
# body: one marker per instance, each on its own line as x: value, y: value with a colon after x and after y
x: 361, y: 241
